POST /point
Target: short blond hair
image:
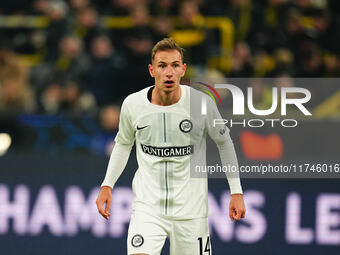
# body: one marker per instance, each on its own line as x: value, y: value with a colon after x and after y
x: 164, y: 45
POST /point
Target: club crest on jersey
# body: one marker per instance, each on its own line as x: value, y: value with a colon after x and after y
x: 137, y: 240
x: 185, y: 126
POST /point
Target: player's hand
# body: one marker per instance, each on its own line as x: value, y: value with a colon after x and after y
x: 104, y: 197
x: 237, y: 210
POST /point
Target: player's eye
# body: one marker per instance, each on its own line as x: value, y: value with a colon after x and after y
x: 175, y: 65
x: 162, y: 66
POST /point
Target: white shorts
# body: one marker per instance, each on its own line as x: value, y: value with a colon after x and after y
x: 147, y: 234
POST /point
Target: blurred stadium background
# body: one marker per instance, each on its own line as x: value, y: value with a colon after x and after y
x: 66, y: 66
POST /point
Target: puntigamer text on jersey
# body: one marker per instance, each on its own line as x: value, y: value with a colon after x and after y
x: 177, y: 151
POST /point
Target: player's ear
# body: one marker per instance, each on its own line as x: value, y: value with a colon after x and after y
x: 184, y: 68
x: 151, y: 70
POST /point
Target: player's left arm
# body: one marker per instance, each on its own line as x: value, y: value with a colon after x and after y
x: 220, y: 135
x: 229, y: 161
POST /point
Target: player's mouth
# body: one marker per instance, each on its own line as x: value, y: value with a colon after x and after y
x: 169, y: 83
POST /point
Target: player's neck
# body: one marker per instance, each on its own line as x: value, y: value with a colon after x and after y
x: 163, y: 98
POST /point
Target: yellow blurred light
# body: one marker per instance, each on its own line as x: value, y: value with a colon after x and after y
x: 5, y: 143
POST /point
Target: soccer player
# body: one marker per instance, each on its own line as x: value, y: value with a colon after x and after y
x: 168, y: 201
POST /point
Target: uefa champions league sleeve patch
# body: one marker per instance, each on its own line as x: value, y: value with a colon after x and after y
x: 185, y: 126
x: 137, y: 241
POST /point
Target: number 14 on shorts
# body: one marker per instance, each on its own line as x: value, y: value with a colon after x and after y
x: 206, y: 246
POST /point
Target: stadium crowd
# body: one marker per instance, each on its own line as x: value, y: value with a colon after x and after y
x: 86, y: 67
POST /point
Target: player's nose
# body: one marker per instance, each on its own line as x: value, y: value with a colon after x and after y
x: 169, y: 71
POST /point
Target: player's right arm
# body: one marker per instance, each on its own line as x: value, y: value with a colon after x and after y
x: 118, y: 159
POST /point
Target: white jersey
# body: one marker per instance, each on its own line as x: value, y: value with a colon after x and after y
x: 167, y: 138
